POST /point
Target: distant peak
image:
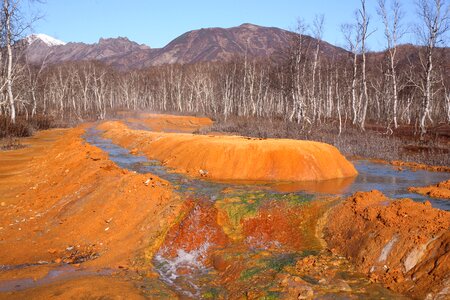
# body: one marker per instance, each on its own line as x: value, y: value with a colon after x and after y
x: 249, y: 25
x: 48, y: 40
x: 120, y: 38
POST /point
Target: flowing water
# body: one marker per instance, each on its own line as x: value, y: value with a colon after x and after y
x: 257, y: 240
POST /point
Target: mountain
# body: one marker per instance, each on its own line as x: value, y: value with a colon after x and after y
x: 212, y: 44
x: 44, y: 48
x: 45, y: 39
x: 206, y: 44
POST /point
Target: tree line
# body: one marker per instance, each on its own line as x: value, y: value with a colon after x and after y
x: 403, y: 85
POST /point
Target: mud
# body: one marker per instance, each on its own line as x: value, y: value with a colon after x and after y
x: 65, y: 203
x: 402, y: 244
x: 234, y: 157
x: 440, y: 190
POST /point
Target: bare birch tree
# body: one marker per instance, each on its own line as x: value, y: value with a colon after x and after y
x: 434, y: 24
x: 393, y: 33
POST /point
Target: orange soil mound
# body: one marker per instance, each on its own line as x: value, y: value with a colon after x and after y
x: 235, y: 157
x: 440, y: 190
x: 63, y: 201
x: 401, y: 243
x: 162, y: 122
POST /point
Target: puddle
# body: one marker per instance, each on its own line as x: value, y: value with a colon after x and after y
x: 247, y: 239
x: 57, y: 274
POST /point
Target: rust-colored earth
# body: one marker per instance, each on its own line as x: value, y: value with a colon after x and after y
x: 63, y: 202
x: 402, y: 244
x: 170, y: 123
x: 440, y: 190
x: 75, y: 225
x: 418, y: 166
x: 235, y: 157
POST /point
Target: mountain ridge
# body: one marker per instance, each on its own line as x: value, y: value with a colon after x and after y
x: 200, y: 45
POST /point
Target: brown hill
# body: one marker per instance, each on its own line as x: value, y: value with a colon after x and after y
x: 203, y: 45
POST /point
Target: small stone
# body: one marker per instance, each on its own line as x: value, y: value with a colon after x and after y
x: 70, y: 248
x: 203, y: 173
x: 51, y: 251
x: 343, y: 286
x: 107, y: 228
x: 58, y: 261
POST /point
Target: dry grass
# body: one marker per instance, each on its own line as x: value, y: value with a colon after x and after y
x: 24, y: 127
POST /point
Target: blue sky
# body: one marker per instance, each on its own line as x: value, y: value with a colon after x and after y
x: 156, y: 23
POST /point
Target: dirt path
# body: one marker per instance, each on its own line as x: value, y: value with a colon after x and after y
x: 64, y: 203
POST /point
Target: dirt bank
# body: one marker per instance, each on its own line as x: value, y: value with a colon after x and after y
x: 235, y: 157
x: 401, y: 243
x: 417, y: 166
x: 63, y: 202
x: 170, y: 123
x: 440, y: 190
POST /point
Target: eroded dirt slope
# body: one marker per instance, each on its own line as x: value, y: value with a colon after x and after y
x: 402, y: 244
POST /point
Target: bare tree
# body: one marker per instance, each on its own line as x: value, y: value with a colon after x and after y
x: 9, y: 9
x: 392, y: 32
x: 363, y: 24
x: 434, y: 24
x: 352, y: 36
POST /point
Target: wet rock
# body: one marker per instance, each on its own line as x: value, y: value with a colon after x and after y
x: 220, y: 263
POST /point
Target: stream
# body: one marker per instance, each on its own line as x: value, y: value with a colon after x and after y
x: 255, y: 238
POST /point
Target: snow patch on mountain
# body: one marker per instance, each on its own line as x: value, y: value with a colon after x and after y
x: 48, y: 40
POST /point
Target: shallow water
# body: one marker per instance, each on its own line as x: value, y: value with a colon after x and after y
x: 238, y: 237
x: 394, y: 183
x: 63, y: 272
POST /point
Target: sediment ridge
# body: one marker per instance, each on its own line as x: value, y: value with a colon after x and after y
x: 235, y: 157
